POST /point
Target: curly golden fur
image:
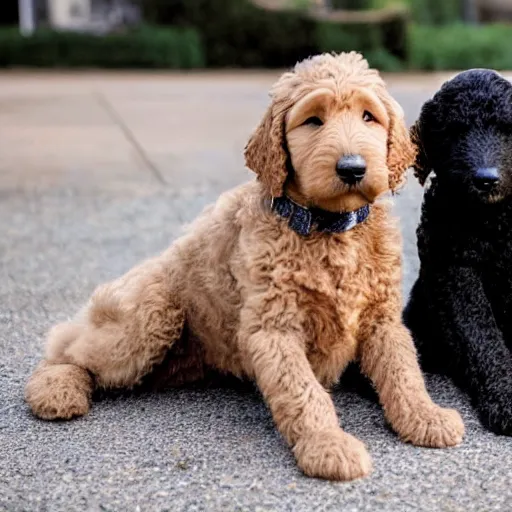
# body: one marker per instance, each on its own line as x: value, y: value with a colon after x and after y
x: 244, y: 294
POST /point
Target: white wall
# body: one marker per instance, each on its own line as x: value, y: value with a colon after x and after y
x: 69, y: 13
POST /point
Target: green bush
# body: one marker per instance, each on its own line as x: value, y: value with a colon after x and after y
x: 367, y: 39
x: 384, y: 61
x: 363, y: 38
x: 428, y: 12
x: 436, y: 12
x: 352, y: 4
x: 148, y: 47
x: 236, y: 33
x: 210, y: 33
x: 461, y: 47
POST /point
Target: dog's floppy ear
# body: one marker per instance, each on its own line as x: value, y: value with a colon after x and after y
x: 421, y: 167
x: 401, y: 150
x: 265, y: 153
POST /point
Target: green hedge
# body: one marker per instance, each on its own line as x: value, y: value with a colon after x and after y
x: 455, y: 47
x: 449, y: 47
x: 236, y: 33
x: 147, y: 47
x: 368, y: 39
x: 352, y: 4
x: 436, y: 12
x: 245, y: 36
x: 429, y: 12
x: 212, y: 34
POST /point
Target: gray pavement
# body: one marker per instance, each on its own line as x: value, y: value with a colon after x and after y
x: 100, y: 171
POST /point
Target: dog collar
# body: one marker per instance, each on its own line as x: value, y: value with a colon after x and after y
x: 304, y: 220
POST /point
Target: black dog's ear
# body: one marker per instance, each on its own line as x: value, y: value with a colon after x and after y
x: 421, y: 166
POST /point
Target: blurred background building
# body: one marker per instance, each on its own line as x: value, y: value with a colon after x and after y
x: 80, y: 15
x: 96, y: 15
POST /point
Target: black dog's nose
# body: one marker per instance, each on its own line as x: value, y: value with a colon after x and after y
x: 486, y: 178
x: 351, y: 168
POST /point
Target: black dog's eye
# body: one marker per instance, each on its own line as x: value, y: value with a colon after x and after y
x: 368, y: 117
x: 315, y: 121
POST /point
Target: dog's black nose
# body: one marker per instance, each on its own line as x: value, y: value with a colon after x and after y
x: 486, y: 178
x: 351, y: 168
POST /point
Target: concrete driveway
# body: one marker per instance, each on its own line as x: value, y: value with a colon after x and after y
x: 100, y: 171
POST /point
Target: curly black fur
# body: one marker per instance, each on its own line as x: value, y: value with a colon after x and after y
x: 460, y: 308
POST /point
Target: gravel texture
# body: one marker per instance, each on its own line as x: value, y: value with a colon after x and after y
x: 68, y: 225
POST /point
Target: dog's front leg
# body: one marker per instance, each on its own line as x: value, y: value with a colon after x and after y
x: 477, y: 351
x: 302, y: 409
x: 388, y: 358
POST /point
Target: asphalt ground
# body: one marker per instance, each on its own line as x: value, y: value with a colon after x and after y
x: 100, y: 171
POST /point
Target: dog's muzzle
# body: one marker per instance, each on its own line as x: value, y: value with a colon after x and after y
x: 351, y: 168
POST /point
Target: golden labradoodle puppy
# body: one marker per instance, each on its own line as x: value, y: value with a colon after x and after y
x: 284, y: 280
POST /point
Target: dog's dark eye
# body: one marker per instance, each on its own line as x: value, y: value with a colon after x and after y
x: 314, y: 121
x: 368, y: 117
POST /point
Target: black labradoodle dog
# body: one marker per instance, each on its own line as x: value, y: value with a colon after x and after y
x: 460, y: 308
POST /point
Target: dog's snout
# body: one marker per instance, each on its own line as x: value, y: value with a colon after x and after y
x: 486, y: 178
x: 351, y: 168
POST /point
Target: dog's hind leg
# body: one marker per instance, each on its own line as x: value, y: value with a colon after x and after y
x: 125, y: 330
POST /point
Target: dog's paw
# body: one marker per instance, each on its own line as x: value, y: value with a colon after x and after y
x: 332, y: 454
x: 60, y: 391
x: 496, y: 414
x: 433, y: 427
